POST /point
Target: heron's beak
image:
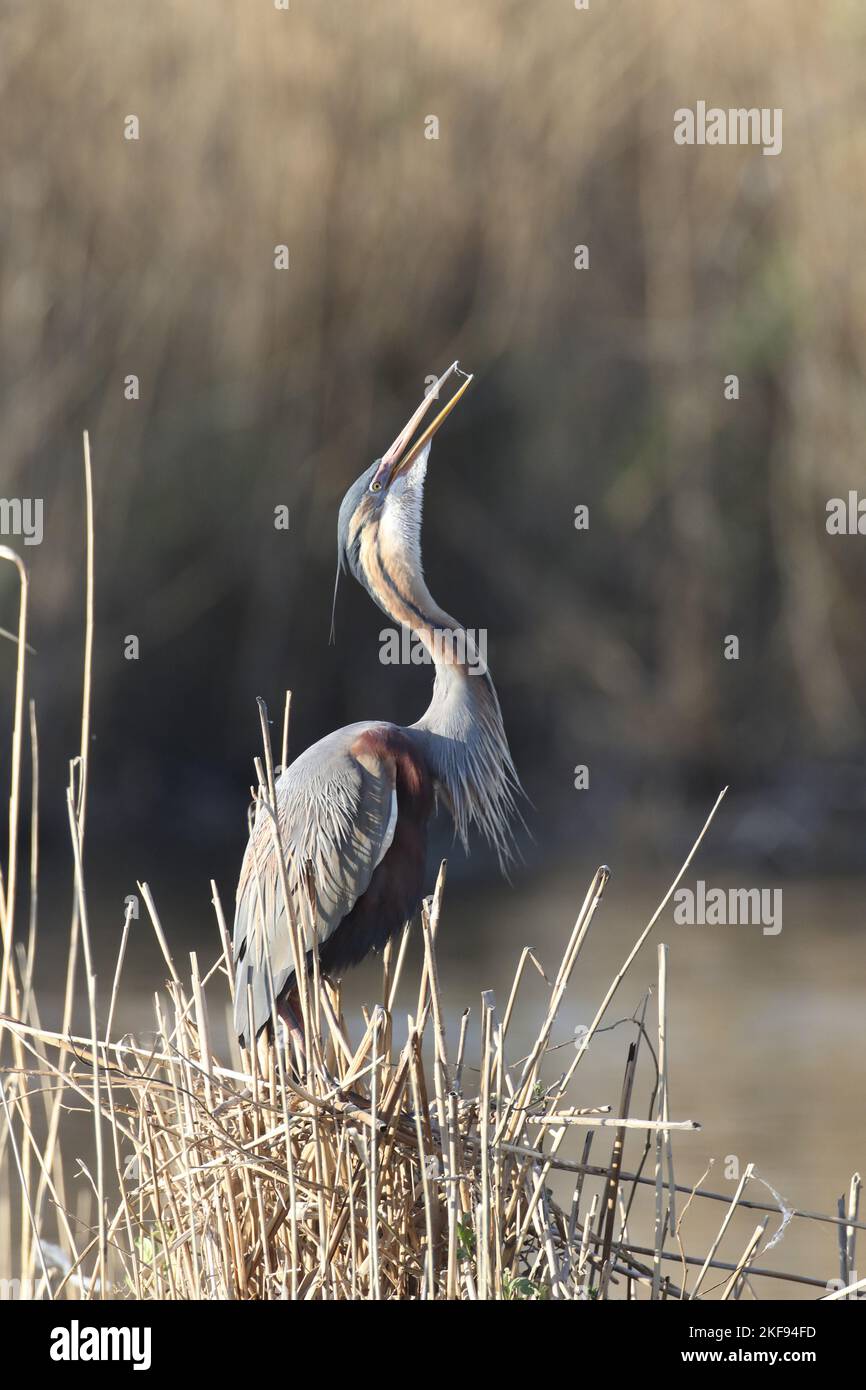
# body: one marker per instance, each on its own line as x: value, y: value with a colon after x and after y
x: 402, y: 451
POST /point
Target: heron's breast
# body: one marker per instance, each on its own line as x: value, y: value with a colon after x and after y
x: 413, y: 780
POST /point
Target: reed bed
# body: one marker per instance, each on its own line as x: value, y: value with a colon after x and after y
x: 359, y: 1168
x: 385, y: 1158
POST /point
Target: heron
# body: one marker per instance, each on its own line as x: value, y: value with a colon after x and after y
x: 353, y: 809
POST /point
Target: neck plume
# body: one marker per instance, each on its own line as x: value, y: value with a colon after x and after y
x: 461, y: 731
x: 465, y: 742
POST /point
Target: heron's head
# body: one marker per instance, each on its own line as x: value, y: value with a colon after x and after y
x: 380, y: 515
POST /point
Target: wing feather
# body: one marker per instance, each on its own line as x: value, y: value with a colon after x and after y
x: 337, y: 809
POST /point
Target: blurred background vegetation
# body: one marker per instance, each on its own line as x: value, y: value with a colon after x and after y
x: 602, y: 387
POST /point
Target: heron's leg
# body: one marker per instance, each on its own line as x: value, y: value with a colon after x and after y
x: 289, y: 1010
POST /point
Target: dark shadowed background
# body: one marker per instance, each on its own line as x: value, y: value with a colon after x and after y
x: 604, y: 387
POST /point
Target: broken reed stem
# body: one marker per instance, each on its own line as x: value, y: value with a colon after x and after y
x: 8, y: 986
x: 726, y: 1221
x: 87, y: 675
x: 662, y: 1218
x: 748, y: 1255
x: 121, y: 955
x: 34, y: 860
x: 616, y: 1165
x: 284, y: 744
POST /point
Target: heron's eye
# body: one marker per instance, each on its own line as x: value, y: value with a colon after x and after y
x: 375, y: 487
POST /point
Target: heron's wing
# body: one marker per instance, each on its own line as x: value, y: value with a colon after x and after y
x: 337, y: 809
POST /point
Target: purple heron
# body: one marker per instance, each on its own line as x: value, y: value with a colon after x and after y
x: 355, y: 806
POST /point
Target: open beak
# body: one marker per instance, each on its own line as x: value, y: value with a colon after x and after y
x: 403, y: 451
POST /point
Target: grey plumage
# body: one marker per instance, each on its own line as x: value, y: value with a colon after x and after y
x: 336, y: 811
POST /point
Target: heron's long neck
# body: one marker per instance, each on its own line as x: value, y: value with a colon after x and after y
x: 461, y: 731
